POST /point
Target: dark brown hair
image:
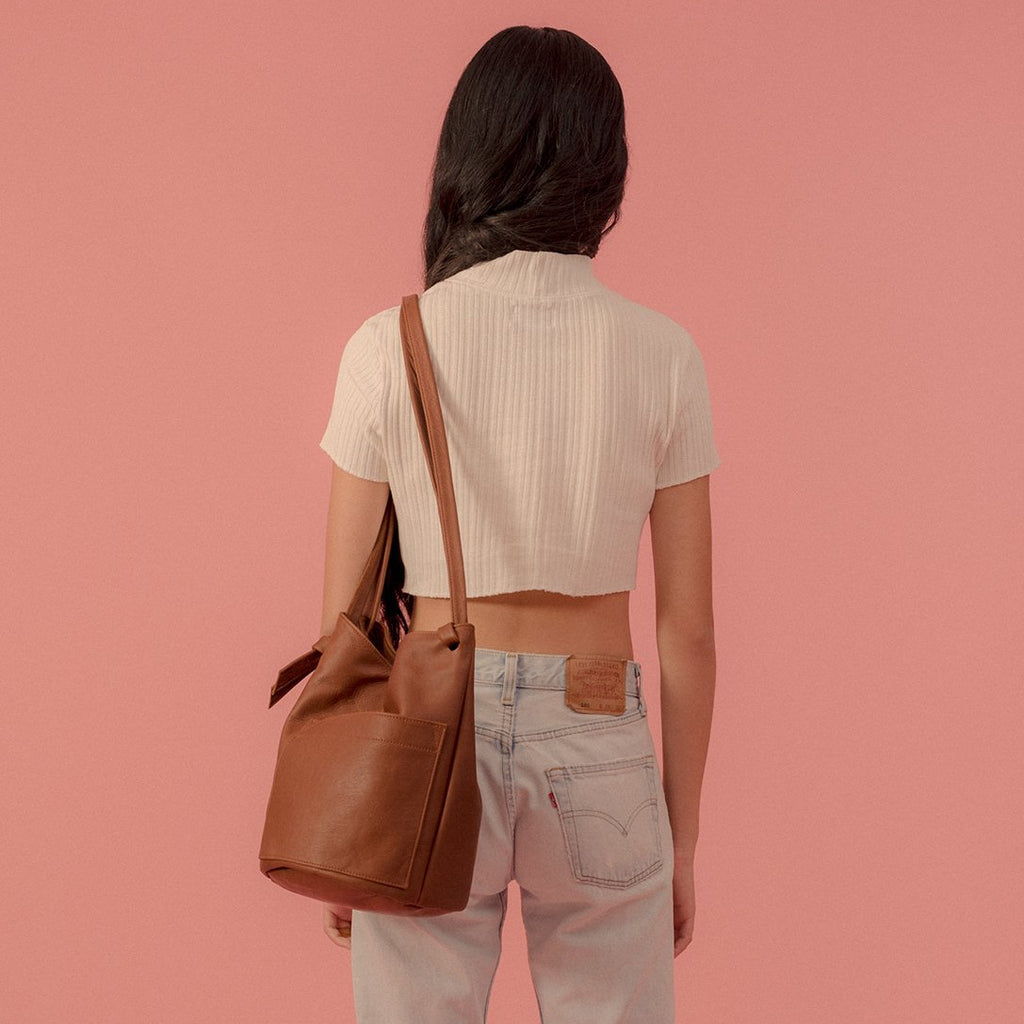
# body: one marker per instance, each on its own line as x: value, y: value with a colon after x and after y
x: 532, y: 153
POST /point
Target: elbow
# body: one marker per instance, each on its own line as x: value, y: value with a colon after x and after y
x: 675, y: 644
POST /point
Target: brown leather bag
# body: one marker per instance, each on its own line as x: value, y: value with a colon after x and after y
x: 374, y: 802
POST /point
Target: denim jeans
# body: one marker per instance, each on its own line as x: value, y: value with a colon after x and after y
x: 573, y: 810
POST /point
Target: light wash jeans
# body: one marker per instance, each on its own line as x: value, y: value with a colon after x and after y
x: 574, y: 810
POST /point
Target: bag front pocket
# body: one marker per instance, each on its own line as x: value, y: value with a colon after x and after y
x: 609, y: 818
x: 351, y: 794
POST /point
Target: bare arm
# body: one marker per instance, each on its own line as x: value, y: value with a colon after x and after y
x: 681, y: 543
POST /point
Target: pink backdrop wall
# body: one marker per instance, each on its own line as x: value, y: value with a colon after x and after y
x: 201, y: 203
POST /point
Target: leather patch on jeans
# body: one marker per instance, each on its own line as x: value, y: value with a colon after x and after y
x: 595, y: 684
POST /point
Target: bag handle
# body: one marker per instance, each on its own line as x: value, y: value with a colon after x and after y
x: 427, y: 406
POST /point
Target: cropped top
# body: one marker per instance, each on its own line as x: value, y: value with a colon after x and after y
x: 566, y: 405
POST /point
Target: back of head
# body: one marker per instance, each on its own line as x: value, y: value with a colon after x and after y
x: 532, y: 153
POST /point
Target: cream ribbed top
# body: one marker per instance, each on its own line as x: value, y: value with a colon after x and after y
x: 565, y: 406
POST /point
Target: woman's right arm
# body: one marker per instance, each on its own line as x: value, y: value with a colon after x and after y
x: 681, y: 543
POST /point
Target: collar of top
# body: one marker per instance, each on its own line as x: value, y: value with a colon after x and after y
x: 532, y: 273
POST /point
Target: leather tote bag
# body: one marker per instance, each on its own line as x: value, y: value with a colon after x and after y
x: 374, y: 802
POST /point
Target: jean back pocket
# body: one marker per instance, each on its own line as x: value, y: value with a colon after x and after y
x: 609, y: 818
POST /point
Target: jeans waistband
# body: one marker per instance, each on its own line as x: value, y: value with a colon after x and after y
x: 537, y: 671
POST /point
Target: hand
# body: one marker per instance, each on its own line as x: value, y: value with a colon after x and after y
x: 338, y: 924
x: 684, y: 903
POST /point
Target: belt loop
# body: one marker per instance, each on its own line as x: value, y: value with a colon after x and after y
x: 639, y: 695
x: 508, y: 685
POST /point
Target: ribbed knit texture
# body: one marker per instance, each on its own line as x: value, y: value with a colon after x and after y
x: 565, y: 406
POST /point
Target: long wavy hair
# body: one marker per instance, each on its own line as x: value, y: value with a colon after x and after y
x: 532, y: 155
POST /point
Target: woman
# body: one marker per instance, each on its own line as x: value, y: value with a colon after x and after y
x: 572, y: 414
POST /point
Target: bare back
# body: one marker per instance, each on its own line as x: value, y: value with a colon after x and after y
x: 539, y: 621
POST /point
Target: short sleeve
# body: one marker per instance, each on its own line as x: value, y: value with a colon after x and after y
x: 353, y: 437
x: 690, y: 450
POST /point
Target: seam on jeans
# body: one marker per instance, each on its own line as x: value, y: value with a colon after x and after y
x: 510, y: 790
x: 596, y: 726
x: 505, y: 754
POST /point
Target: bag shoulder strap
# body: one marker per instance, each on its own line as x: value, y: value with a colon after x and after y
x: 427, y: 407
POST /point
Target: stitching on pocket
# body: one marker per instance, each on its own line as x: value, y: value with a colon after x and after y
x: 609, y: 818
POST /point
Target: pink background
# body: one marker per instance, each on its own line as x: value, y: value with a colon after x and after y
x: 202, y: 202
